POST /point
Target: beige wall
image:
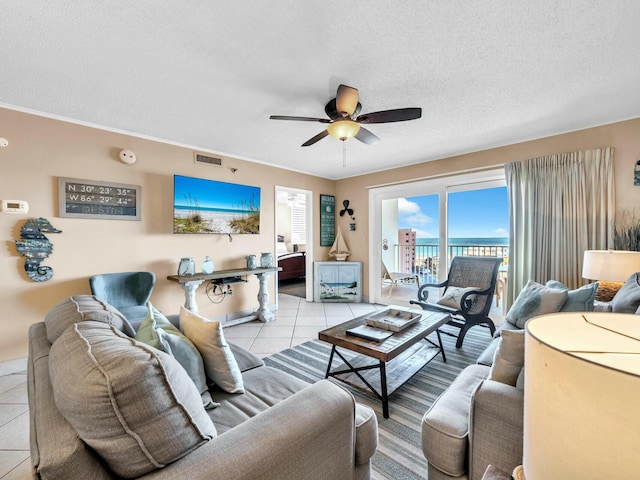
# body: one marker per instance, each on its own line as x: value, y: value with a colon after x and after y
x: 623, y: 136
x: 41, y: 149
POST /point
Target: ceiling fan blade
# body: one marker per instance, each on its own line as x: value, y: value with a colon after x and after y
x: 318, y: 137
x: 300, y: 119
x: 346, y: 100
x: 388, y: 116
x: 365, y: 136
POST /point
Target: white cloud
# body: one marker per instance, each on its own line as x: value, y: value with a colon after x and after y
x: 501, y: 231
x: 410, y: 211
x: 419, y: 219
x: 425, y: 234
x: 405, y: 206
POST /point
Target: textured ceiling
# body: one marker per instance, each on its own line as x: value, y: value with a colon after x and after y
x: 207, y: 75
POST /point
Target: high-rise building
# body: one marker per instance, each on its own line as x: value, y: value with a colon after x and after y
x: 407, y: 250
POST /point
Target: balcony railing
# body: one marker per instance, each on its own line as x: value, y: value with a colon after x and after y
x: 425, y: 259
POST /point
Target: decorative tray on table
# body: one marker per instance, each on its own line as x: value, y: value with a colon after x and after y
x: 394, y: 319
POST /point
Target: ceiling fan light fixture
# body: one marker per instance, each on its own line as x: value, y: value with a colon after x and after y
x: 343, y: 129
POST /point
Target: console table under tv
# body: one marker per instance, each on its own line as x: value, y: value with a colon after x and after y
x: 190, y: 284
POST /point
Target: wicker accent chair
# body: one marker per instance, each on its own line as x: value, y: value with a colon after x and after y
x: 479, y: 273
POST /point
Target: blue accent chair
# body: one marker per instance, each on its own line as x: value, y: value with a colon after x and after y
x: 129, y: 292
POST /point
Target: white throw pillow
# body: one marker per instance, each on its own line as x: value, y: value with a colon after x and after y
x: 219, y: 363
x: 509, y: 357
x: 453, y: 295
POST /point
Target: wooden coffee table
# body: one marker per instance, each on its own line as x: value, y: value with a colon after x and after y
x: 406, y: 351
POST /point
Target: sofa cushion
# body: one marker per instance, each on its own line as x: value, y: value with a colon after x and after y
x: 134, y: 405
x: 578, y: 300
x: 509, y: 357
x: 156, y: 330
x: 533, y: 300
x: 453, y: 295
x: 219, y: 363
x: 80, y: 308
x: 264, y: 387
x: 445, y: 426
x: 627, y: 299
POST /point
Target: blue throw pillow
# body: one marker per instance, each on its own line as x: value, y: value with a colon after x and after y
x: 156, y: 330
x: 627, y: 300
x: 533, y: 300
x: 578, y: 300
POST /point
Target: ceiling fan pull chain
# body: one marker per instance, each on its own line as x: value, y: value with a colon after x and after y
x: 344, y: 154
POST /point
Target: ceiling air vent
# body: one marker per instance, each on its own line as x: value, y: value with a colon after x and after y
x: 199, y: 158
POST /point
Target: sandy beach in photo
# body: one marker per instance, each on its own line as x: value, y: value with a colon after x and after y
x: 214, y: 222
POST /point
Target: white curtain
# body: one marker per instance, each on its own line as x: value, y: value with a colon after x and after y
x: 559, y: 206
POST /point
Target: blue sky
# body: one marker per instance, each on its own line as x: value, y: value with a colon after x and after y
x: 475, y: 213
x: 213, y: 194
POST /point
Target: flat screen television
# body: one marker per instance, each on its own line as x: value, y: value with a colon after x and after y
x: 210, y: 206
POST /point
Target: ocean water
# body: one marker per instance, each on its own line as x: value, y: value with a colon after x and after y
x: 473, y: 241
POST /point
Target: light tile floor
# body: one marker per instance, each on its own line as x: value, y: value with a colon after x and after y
x: 297, y: 321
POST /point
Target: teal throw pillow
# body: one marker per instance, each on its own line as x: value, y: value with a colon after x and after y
x: 578, y: 300
x: 533, y: 300
x: 627, y: 299
x: 157, y: 331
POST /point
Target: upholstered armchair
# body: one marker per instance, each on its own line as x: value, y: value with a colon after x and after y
x: 468, y: 293
x: 129, y: 292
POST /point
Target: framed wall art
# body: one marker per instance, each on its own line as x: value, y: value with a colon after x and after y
x: 327, y: 220
x: 96, y: 199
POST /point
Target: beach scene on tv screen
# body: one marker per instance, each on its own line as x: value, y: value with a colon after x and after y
x: 209, y: 206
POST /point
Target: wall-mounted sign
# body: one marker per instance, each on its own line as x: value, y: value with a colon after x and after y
x: 327, y: 220
x: 95, y: 199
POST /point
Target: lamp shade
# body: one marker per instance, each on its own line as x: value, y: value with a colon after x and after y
x: 610, y: 265
x: 582, y: 394
x: 343, y: 129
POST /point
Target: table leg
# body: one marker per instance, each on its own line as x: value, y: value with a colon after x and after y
x: 333, y: 350
x: 190, y: 295
x: 264, y: 314
x: 444, y: 358
x: 383, y: 387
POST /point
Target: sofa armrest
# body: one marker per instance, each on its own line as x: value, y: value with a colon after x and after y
x: 495, y: 428
x: 309, y: 435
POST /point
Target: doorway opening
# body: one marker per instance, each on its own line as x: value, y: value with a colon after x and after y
x: 294, y: 241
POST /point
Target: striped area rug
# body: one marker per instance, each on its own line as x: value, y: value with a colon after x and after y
x: 399, y: 454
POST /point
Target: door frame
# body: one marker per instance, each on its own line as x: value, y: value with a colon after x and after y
x: 431, y: 186
x: 309, y: 237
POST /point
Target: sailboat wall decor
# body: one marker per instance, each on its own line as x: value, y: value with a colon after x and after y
x: 339, y: 250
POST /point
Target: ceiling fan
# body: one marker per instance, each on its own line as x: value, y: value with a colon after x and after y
x: 344, y: 121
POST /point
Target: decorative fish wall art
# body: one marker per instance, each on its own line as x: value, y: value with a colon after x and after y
x: 34, y: 245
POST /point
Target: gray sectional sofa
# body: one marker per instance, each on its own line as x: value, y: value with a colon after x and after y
x: 478, y: 420
x: 104, y: 405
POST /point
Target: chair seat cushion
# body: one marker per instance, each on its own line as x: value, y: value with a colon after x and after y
x: 445, y: 426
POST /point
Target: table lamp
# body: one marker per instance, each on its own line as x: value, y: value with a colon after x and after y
x: 610, y: 268
x: 581, y: 397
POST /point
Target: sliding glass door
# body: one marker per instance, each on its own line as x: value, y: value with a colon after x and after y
x: 418, y: 227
